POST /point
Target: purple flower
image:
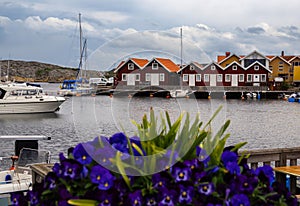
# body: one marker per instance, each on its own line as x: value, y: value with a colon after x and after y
x: 206, y: 188
x: 160, y: 180
x: 102, y: 155
x: 202, y: 156
x: 265, y: 174
x: 245, y: 184
x: 228, y: 156
x: 119, y: 142
x: 81, y: 153
x: 50, y: 181
x: 181, y: 172
x: 240, y: 199
x: 186, y: 194
x: 233, y: 168
x: 17, y: 199
x: 166, y: 197
x: 136, y: 198
x: 102, y: 177
x: 33, y: 197
x: 71, y: 169
x: 150, y: 200
x: 57, y: 169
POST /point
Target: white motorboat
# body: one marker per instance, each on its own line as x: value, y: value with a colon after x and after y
x: 179, y: 93
x: 295, y: 97
x: 24, y: 98
x: 18, y: 173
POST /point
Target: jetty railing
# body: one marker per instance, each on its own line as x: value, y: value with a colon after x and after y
x: 277, y: 157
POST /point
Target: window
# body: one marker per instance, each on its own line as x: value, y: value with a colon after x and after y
x: 271, y: 68
x: 256, y: 67
x: 249, y: 77
x: 206, y: 77
x: 219, y: 78
x: 148, y: 77
x: 124, y: 77
x: 154, y: 66
x: 137, y: 77
x: 192, y: 67
x: 241, y: 77
x: 234, y: 67
x: 185, y: 77
x: 213, y: 67
x: 162, y: 77
x: 227, y: 77
x: 130, y: 66
x: 263, y: 78
x: 198, y: 77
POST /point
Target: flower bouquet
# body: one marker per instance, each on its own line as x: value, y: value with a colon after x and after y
x: 180, y: 163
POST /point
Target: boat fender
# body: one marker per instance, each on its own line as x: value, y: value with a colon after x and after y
x: 8, y: 178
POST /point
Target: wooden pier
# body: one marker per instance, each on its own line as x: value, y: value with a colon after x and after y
x: 196, y: 92
x: 278, y: 157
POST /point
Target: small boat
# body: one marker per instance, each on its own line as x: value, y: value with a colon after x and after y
x: 295, y: 97
x: 17, y: 176
x: 24, y: 98
x: 179, y: 93
x: 76, y: 87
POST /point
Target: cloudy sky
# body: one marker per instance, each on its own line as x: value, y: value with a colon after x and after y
x: 48, y: 31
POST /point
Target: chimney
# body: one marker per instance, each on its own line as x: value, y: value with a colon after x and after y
x: 227, y: 54
x: 282, y: 53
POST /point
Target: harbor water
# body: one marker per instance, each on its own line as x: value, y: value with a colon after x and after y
x: 261, y: 123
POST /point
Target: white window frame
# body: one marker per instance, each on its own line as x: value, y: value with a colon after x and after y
x: 263, y: 78
x: 227, y: 77
x: 130, y: 66
x: 249, y: 77
x: 206, y: 77
x: 219, y: 77
x: 147, y: 77
x: 155, y: 66
x: 192, y: 67
x: 241, y: 77
x: 185, y: 77
x: 213, y: 67
x: 161, y: 77
x: 198, y: 77
x: 124, y: 77
x: 256, y: 67
x: 234, y: 67
x: 137, y: 77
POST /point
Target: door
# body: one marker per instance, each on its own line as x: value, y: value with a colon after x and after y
x: 256, y: 78
x: 130, y: 79
x: 234, y: 80
x: 213, y: 80
x: 192, y: 80
x: 154, y: 79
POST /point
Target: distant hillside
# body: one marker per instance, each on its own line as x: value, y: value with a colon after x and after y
x: 22, y: 71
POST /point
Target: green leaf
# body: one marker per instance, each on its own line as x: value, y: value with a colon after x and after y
x: 82, y: 202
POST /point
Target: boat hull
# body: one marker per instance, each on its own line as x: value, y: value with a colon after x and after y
x: 21, y: 107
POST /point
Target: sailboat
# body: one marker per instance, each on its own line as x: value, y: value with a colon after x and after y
x: 79, y: 86
x: 179, y: 93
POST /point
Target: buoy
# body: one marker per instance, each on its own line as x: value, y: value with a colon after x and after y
x: 93, y: 95
x: 243, y: 97
x: 129, y: 96
x: 208, y: 97
x: 151, y: 95
x: 187, y: 96
x: 110, y: 95
x: 224, y: 97
x: 168, y: 96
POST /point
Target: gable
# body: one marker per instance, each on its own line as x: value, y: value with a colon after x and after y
x: 229, y: 60
x: 168, y: 64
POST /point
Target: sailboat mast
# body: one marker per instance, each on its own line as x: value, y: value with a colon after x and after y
x: 181, y: 48
x: 80, y: 44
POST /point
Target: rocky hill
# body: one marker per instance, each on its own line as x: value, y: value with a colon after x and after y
x: 30, y: 71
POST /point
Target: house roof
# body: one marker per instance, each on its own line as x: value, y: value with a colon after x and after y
x: 234, y: 62
x: 213, y: 62
x: 200, y: 66
x: 227, y: 57
x: 139, y: 62
x: 168, y: 64
x: 257, y: 62
x: 280, y: 57
x: 244, y: 57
